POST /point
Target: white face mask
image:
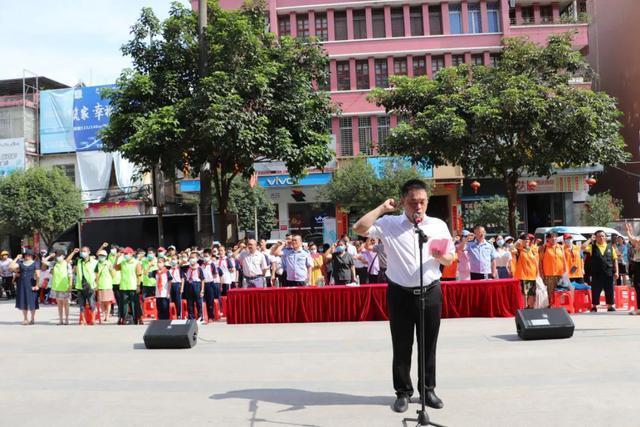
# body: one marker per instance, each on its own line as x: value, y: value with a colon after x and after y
x: 84, y: 255
x: 207, y: 259
x: 114, y: 251
x: 60, y: 258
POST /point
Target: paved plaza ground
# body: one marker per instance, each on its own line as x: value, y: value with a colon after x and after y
x: 329, y: 374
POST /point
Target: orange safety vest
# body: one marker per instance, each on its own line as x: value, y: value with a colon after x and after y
x: 527, y: 264
x: 574, y: 260
x: 553, y: 260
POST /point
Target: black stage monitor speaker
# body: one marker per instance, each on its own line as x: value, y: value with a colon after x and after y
x: 171, y: 334
x: 544, y: 323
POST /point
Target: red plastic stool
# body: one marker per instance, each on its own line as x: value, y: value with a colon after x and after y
x: 216, y: 310
x: 173, y: 312
x: 564, y: 299
x: 622, y: 297
x: 149, y: 308
x: 633, y: 299
x: 87, y: 317
x: 184, y: 309
x: 581, y: 300
x: 223, y: 309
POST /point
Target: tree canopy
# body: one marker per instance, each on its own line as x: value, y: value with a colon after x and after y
x: 601, y: 209
x: 255, y: 100
x: 357, y: 187
x: 521, y: 117
x: 40, y: 201
x: 242, y: 201
x: 492, y: 214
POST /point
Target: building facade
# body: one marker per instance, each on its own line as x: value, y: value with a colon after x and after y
x: 369, y: 41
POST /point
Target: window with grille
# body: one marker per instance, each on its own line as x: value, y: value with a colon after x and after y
x: 457, y: 60
x: 400, y: 66
x: 362, y: 74
x: 342, y: 72
x: 397, y: 22
x: 477, y: 59
x: 377, y: 16
x: 527, y: 15
x: 382, y: 73
x: 365, y: 136
x: 346, y: 137
x: 340, y: 24
x: 302, y: 26
x: 322, y: 27
x: 435, y: 20
x: 359, y: 24
x: 415, y: 14
x: 437, y: 64
x: 69, y: 170
x: 494, y: 58
x: 383, y: 129
x: 419, y: 66
x: 546, y: 14
x: 475, y: 22
x: 284, y: 25
x: 493, y: 17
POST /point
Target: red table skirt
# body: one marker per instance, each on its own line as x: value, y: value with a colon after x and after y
x: 495, y: 298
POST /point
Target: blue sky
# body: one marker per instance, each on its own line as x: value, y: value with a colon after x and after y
x: 69, y: 40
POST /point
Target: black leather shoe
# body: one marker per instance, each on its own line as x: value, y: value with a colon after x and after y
x: 433, y: 401
x: 401, y: 404
x: 612, y: 308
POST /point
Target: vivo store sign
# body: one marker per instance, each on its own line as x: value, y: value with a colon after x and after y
x: 275, y: 181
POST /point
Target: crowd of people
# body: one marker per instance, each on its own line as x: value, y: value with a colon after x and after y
x: 558, y: 261
x: 120, y: 278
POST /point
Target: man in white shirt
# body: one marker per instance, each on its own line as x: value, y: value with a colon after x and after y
x: 254, y: 265
x: 403, y: 295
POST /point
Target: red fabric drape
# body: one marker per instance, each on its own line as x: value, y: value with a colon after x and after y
x: 496, y: 298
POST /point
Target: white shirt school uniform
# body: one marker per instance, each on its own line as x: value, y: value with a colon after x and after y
x: 227, y: 275
x: 401, y: 245
x: 163, y: 284
x: 175, y: 275
x: 210, y: 272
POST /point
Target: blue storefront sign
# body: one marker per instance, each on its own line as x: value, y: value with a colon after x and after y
x: 273, y: 181
x: 90, y: 114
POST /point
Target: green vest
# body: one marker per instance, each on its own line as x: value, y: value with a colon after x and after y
x: 86, y: 269
x: 60, y: 277
x: 105, y: 281
x: 115, y: 259
x: 147, y: 267
x: 128, y: 275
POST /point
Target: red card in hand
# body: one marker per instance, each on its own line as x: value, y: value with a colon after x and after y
x: 440, y: 245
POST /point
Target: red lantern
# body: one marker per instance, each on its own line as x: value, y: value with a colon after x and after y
x: 531, y: 185
x: 475, y: 185
x: 590, y: 181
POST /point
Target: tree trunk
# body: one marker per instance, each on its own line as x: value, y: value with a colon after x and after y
x: 206, y: 232
x: 511, y: 184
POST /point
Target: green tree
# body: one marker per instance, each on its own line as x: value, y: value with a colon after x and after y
x: 358, y: 188
x: 243, y: 200
x: 521, y: 117
x: 600, y: 209
x: 40, y: 201
x: 255, y: 101
x: 491, y: 214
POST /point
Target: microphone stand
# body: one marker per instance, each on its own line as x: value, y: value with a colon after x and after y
x: 423, y: 417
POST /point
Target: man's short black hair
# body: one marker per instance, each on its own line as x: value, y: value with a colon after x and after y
x: 600, y: 231
x: 413, y: 184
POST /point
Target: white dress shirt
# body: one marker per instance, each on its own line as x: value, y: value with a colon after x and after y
x: 253, y: 264
x: 401, y: 245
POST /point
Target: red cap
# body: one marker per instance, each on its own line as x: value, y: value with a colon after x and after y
x: 128, y: 250
x: 532, y: 237
x: 567, y: 236
x: 162, y: 249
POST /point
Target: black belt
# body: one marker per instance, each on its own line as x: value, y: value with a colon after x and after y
x: 415, y: 290
x: 253, y: 277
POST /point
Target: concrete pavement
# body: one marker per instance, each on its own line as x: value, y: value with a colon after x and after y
x: 329, y: 374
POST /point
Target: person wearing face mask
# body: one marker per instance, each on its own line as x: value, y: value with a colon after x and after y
x: 503, y: 259
x: 104, y: 280
x: 162, y: 253
x: 553, y: 264
x: 149, y: 265
x: 114, y: 258
x: 317, y: 274
x: 227, y: 267
x: 194, y: 289
x: 130, y: 272
x: 177, y: 276
x: 573, y: 255
x: 27, y: 285
x: 60, y: 284
x: 527, y: 265
x: 343, y: 267
x: 162, y: 279
x: 85, y: 282
x: 211, y: 275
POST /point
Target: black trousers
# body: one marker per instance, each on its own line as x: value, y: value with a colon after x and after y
x: 363, y: 275
x: 163, y: 308
x: 601, y: 282
x: 480, y: 276
x: 404, y: 318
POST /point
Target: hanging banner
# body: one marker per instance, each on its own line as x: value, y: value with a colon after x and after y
x: 90, y: 114
x: 56, y: 121
x: 11, y: 155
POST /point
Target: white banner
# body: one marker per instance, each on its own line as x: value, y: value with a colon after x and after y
x: 12, y: 156
x: 94, y: 170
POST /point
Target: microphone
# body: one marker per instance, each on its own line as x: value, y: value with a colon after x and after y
x: 417, y: 218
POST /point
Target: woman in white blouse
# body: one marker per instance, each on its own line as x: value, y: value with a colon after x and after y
x: 503, y: 260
